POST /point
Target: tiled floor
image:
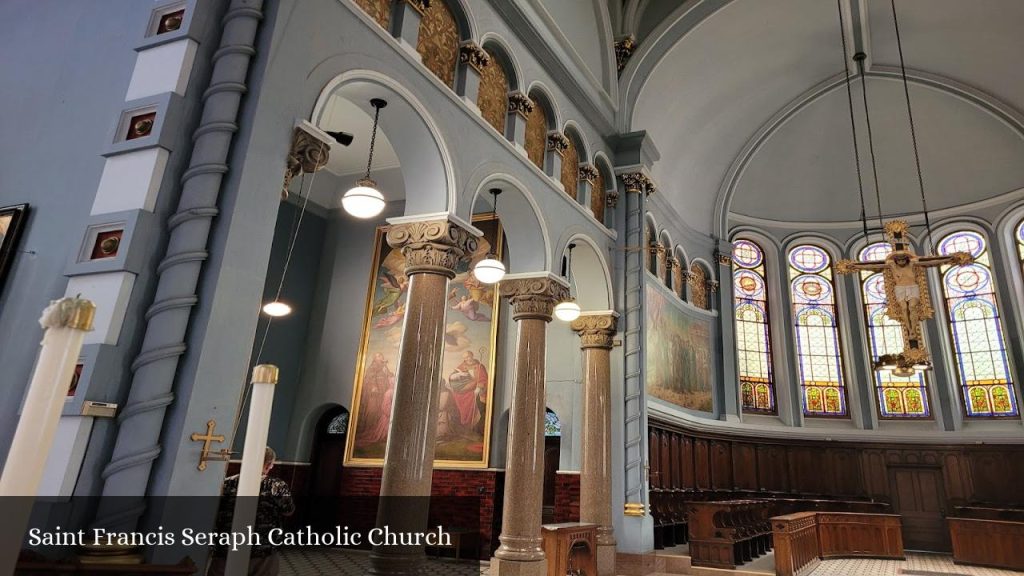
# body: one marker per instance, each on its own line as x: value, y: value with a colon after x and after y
x: 915, y: 565
x: 336, y: 561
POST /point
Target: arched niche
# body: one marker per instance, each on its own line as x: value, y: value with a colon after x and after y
x: 496, y: 81
x: 574, y: 155
x: 443, y: 26
x: 604, y: 182
x: 521, y: 220
x: 425, y: 179
x: 542, y: 119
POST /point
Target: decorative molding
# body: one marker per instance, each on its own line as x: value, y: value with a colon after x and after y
x: 520, y: 103
x: 723, y: 259
x: 588, y: 173
x: 308, y: 154
x: 474, y: 56
x: 638, y: 182
x: 534, y: 297
x: 713, y: 285
x: 596, y: 330
x: 624, y: 48
x: 432, y: 246
x: 558, y: 142
x: 420, y: 6
x: 612, y: 199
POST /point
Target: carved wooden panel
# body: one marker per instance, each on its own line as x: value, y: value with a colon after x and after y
x: 846, y: 473
x: 744, y: 466
x: 654, y: 455
x: 701, y: 464
x: 493, y: 97
x: 958, y: 478
x: 806, y: 467
x: 536, y: 134
x: 571, y: 169
x: 379, y: 10
x: 438, y: 42
x: 698, y: 286
x: 988, y: 542
x: 598, y: 199
x: 689, y: 475
x: 677, y: 459
x: 721, y: 465
x: 666, y: 460
x: 772, y: 470
x: 871, y: 535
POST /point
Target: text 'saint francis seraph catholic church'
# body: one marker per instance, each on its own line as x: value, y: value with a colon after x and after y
x: 607, y: 286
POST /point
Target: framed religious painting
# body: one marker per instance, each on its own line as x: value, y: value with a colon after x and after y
x: 467, y: 364
x: 12, y: 220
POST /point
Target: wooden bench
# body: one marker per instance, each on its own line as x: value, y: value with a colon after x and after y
x: 729, y: 533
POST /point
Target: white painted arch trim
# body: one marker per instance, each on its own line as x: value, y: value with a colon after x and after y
x: 538, y: 214
x: 599, y: 251
x: 495, y: 39
x: 374, y: 77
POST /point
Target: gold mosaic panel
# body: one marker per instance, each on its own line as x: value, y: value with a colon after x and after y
x: 493, y: 97
x: 536, y: 134
x: 438, y: 43
x: 571, y: 169
x: 379, y: 10
x: 597, y: 197
x: 698, y: 286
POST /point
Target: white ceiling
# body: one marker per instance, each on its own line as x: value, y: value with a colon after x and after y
x: 722, y: 81
x: 356, y: 118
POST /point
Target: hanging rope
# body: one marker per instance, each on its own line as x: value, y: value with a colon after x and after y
x: 292, y: 241
x: 913, y: 131
x: 853, y: 122
x: 859, y: 57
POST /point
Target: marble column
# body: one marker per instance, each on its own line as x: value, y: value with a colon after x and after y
x: 597, y: 330
x: 432, y: 249
x: 533, y: 298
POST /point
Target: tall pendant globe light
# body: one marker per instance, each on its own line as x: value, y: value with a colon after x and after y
x: 364, y: 200
x: 490, y: 270
x: 568, y: 310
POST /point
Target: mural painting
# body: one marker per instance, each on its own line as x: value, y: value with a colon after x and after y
x: 678, y: 351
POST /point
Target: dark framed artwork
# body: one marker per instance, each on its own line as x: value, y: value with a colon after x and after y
x: 12, y: 220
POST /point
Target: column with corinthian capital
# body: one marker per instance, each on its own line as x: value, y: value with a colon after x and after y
x: 596, y: 330
x: 432, y: 249
x: 533, y: 298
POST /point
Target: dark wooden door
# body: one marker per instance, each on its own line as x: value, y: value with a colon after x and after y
x: 919, y: 497
x: 552, y: 452
x: 323, y: 502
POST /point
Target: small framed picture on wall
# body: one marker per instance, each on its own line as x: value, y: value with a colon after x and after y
x: 12, y: 220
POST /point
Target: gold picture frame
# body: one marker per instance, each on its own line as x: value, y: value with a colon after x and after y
x: 472, y: 314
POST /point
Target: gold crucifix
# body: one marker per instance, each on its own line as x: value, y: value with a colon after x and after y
x: 908, y: 300
x: 208, y: 439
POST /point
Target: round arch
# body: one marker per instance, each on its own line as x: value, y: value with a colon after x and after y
x: 539, y: 91
x: 415, y: 136
x: 497, y: 46
x: 592, y: 279
x: 521, y: 220
x: 572, y: 131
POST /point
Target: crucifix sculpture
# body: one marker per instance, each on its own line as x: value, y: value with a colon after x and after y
x: 908, y: 300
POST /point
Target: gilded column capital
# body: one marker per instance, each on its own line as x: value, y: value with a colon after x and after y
x: 307, y: 154
x: 688, y: 276
x: 473, y: 55
x: 557, y: 142
x: 431, y: 246
x: 520, y: 103
x: 713, y: 285
x: 723, y: 259
x: 534, y: 296
x: 596, y: 330
x: 637, y: 182
x: 420, y: 6
x: 624, y: 48
x: 671, y: 262
x: 588, y: 172
x: 612, y: 198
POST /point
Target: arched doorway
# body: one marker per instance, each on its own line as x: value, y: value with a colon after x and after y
x: 552, y: 453
x: 326, y: 468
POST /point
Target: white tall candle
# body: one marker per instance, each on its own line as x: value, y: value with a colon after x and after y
x: 264, y: 380
x: 64, y: 323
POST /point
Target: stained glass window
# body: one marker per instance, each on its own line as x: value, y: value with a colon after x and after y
x: 552, y: 426
x: 976, y: 329
x: 753, y: 342
x: 898, y: 397
x: 1020, y: 241
x: 819, y: 361
x: 339, y: 424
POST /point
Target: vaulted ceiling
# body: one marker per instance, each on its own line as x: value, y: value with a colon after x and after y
x: 746, y: 102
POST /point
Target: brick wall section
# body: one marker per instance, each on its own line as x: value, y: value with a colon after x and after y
x: 567, y: 497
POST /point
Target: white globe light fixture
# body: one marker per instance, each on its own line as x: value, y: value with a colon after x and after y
x: 364, y: 200
x: 490, y: 270
x: 568, y: 310
x: 276, y: 309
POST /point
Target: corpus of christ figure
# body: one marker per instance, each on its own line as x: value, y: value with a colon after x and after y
x: 906, y: 286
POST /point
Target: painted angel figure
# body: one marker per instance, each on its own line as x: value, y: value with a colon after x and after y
x: 908, y: 300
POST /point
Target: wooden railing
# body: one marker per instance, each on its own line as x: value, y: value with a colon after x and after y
x: 796, y: 543
x: 996, y: 543
x: 727, y: 534
x: 802, y: 539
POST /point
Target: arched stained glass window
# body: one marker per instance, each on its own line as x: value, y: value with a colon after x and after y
x: 819, y: 360
x: 1020, y: 241
x: 552, y: 425
x: 898, y: 397
x: 976, y: 329
x: 339, y: 424
x: 753, y: 342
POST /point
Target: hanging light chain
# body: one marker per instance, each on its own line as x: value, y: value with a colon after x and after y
x: 910, y: 116
x: 859, y: 57
x: 853, y: 122
x: 373, y: 136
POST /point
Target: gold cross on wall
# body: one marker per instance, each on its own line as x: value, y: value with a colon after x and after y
x: 208, y: 439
